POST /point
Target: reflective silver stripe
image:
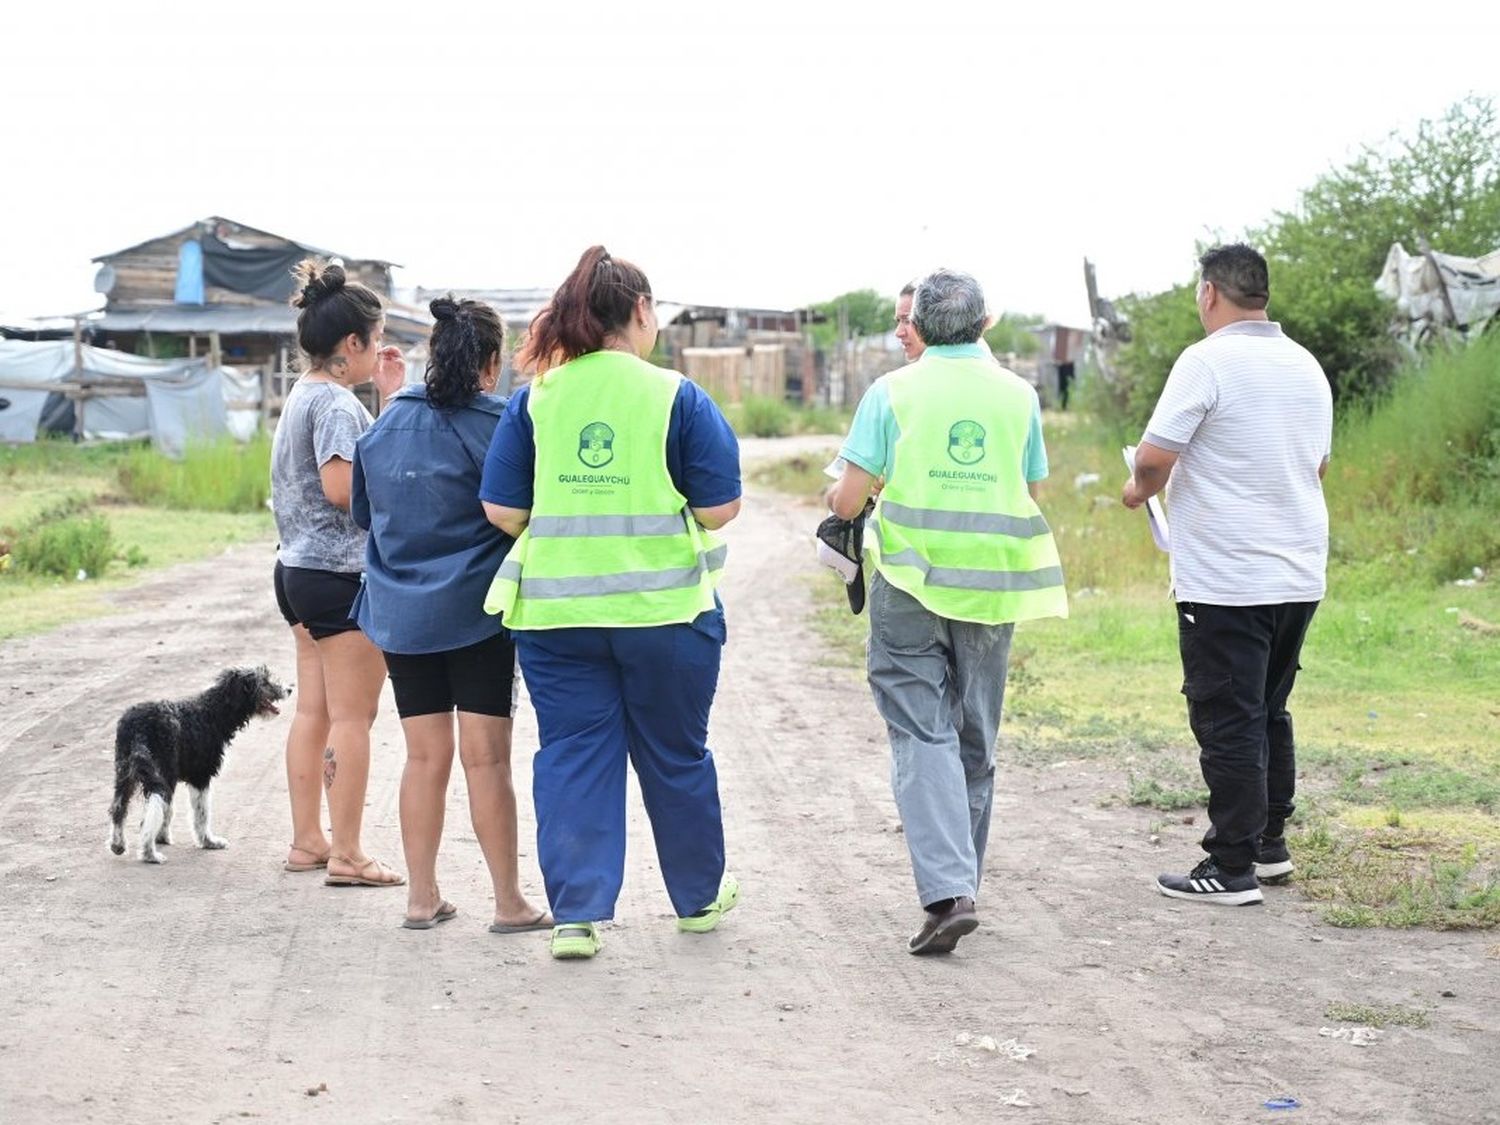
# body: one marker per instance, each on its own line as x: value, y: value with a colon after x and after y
x: 577, y: 527
x: 960, y: 578
x: 631, y: 582
x: 985, y: 523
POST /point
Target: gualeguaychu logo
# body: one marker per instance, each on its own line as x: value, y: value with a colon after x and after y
x: 596, y: 443
x: 966, y: 442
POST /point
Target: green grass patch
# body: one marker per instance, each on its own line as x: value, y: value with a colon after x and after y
x: 75, y: 545
x: 221, y: 476
x: 1396, y: 877
x: 801, y: 476
x: 759, y: 416
x: 1377, y: 1015
x: 63, y: 509
x: 144, y: 539
x: 1171, y: 794
x: 844, y: 633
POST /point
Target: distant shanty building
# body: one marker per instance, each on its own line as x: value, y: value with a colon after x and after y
x: 221, y: 289
x: 738, y: 352
x: 1059, y: 358
x: 195, y: 340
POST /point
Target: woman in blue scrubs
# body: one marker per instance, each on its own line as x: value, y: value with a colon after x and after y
x: 613, y: 474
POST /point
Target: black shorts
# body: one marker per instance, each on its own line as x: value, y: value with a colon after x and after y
x: 318, y: 599
x: 479, y: 678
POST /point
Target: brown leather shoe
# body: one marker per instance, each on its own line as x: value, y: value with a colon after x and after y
x: 941, y: 931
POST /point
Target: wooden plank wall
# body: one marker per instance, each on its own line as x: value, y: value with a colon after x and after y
x: 733, y: 374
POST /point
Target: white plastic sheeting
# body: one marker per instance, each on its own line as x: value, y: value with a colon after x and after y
x: 1472, y: 286
x: 184, y: 399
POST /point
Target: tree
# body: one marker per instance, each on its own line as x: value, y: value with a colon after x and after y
x: 869, y: 313
x: 1012, y: 333
x: 1442, y: 184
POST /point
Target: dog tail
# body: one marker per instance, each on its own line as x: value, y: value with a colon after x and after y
x: 134, y: 767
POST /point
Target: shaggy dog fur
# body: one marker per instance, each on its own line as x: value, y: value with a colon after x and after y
x: 159, y: 744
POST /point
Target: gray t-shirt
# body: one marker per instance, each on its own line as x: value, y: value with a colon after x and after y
x: 320, y: 421
x: 1250, y: 416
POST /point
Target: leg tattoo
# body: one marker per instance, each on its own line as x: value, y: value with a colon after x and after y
x: 330, y: 767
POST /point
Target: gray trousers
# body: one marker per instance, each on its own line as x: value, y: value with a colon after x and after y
x: 940, y: 687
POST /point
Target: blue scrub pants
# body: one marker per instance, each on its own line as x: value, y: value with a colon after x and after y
x: 602, y: 695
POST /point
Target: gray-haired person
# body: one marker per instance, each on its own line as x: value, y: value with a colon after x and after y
x: 1243, y: 429
x: 960, y: 552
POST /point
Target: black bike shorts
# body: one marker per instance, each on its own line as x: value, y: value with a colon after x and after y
x: 318, y: 599
x: 478, y: 678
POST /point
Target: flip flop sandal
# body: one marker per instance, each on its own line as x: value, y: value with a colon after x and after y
x: 575, y: 941
x: 360, y: 876
x: 445, y: 911
x: 293, y: 865
x: 543, y: 921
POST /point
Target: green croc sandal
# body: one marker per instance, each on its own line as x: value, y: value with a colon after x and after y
x: 575, y: 941
x: 708, y: 918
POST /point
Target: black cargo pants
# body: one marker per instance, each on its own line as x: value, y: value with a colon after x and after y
x: 1238, y: 667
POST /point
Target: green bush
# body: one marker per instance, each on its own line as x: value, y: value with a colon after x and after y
x: 765, y: 417
x: 65, y: 547
x: 222, y: 476
x: 823, y: 420
x: 1162, y: 325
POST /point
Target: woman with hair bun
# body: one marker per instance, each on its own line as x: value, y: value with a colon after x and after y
x: 318, y: 569
x: 429, y: 560
x: 613, y: 475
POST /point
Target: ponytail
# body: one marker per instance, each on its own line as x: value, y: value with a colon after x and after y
x: 597, y: 299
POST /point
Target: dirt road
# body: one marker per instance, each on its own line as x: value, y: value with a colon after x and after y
x: 218, y: 988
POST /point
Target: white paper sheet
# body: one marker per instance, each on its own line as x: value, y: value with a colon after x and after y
x: 1156, y: 515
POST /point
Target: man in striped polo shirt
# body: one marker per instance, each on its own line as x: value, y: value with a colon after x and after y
x: 1243, y: 429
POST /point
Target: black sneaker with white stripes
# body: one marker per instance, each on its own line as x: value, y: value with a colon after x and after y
x: 1207, y: 883
x: 1274, y: 864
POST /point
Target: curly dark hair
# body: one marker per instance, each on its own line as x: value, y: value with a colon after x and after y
x: 332, y: 307
x: 466, y: 336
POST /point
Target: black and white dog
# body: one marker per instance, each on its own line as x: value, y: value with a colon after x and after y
x: 159, y: 744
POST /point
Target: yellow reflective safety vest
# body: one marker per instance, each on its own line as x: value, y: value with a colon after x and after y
x: 611, y: 541
x: 955, y: 526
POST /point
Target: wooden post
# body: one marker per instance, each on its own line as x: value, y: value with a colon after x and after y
x: 267, y: 376
x: 78, y: 377
x: 215, y: 354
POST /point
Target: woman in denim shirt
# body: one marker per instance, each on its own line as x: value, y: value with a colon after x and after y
x: 429, y: 559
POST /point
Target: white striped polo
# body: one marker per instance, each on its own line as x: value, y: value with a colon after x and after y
x: 1250, y: 416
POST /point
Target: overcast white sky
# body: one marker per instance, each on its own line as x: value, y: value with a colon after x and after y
x: 752, y: 153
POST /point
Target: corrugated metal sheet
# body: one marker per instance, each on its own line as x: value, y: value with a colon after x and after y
x: 402, y: 322
x: 279, y: 320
